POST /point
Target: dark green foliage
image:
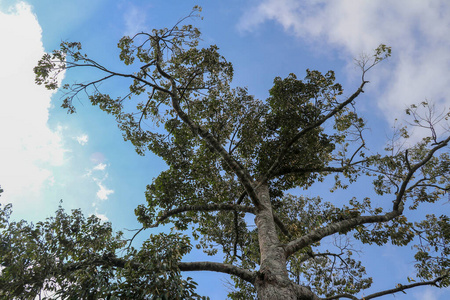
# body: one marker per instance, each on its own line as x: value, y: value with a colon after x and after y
x: 71, y: 257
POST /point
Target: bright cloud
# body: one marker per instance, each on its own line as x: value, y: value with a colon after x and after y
x: 82, y: 139
x: 102, y: 217
x: 100, y: 167
x: 103, y: 192
x: 416, y: 30
x: 28, y: 148
x: 99, y: 174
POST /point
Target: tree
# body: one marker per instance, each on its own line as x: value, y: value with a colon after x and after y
x: 230, y: 156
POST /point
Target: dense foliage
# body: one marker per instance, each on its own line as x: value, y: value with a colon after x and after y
x: 231, y: 156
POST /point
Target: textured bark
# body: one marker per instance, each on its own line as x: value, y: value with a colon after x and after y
x: 273, y: 280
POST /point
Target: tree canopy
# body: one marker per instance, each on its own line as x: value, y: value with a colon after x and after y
x: 229, y: 157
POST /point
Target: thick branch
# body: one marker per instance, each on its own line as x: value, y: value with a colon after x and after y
x: 218, y: 267
x: 318, y: 234
x: 300, y: 170
x: 337, y: 297
x: 206, y: 207
x: 111, y: 260
x: 277, y: 220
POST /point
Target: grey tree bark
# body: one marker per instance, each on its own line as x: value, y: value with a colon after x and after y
x: 273, y: 280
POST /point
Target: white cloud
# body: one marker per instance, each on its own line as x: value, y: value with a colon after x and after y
x: 103, y: 191
x: 102, y: 217
x: 82, y: 139
x: 28, y: 148
x: 100, y: 167
x: 416, y: 30
x: 99, y: 174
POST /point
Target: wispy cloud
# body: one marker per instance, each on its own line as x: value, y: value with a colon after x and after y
x: 102, y: 217
x: 100, y: 167
x: 135, y: 18
x: 99, y: 174
x: 103, y: 191
x: 416, y: 30
x: 28, y: 148
x: 82, y: 139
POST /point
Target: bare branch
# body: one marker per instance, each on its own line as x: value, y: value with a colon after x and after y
x: 414, y: 168
x: 111, y: 260
x: 402, y: 288
x: 348, y: 296
x: 399, y: 288
x: 218, y: 267
x: 301, y: 170
x: 281, y: 226
x: 205, y: 207
x: 318, y: 234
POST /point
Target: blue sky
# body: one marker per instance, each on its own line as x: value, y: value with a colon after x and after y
x: 47, y: 155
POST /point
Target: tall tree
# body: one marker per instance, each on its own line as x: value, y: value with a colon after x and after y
x: 231, y: 156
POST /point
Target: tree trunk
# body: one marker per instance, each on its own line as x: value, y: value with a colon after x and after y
x: 273, y: 281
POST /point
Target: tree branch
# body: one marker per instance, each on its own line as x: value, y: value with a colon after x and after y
x: 111, y: 260
x: 414, y: 168
x: 205, y: 207
x: 318, y: 234
x: 277, y: 220
x: 96, y: 65
x: 348, y: 296
x: 402, y: 288
x: 297, y: 170
x: 218, y: 267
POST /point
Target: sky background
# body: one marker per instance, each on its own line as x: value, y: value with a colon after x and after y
x: 47, y: 155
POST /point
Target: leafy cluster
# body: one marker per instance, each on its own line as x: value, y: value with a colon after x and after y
x: 71, y: 257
